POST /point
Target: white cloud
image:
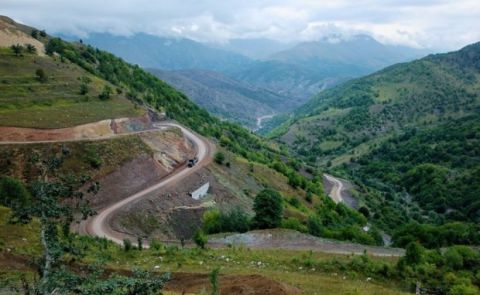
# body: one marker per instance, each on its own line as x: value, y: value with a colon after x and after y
x: 425, y: 23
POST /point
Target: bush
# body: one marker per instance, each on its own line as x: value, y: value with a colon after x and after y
x: 31, y: 49
x: 83, y: 89
x: 127, y: 245
x: 14, y: 195
x: 200, y: 239
x: 107, y: 91
x: 215, y: 221
x: 268, y: 209
x: 219, y: 158
x: 41, y: 75
x: 295, y: 224
x: 17, y: 49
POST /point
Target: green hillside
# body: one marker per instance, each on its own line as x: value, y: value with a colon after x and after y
x: 408, y: 136
x: 421, y: 93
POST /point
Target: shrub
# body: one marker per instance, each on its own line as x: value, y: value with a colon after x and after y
x: 235, y: 220
x: 127, y: 245
x: 107, y: 91
x: 31, y: 49
x: 200, y: 239
x: 17, y: 49
x: 295, y: 224
x: 219, y: 158
x: 83, y: 89
x: 41, y: 75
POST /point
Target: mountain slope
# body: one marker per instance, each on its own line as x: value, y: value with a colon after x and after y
x: 167, y: 53
x: 423, y: 92
x: 224, y: 96
x: 409, y: 128
x: 65, y: 95
x: 362, y: 51
x: 310, y: 67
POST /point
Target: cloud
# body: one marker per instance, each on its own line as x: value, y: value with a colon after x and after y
x: 445, y: 24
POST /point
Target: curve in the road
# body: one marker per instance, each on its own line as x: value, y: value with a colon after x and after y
x: 98, y: 225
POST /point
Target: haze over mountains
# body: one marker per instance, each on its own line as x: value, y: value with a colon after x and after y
x: 259, y: 71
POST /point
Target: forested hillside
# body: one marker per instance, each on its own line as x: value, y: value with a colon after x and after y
x: 408, y: 136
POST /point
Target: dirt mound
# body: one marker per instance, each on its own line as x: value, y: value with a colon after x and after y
x: 229, y: 284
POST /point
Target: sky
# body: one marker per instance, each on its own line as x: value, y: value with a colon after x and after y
x: 441, y: 24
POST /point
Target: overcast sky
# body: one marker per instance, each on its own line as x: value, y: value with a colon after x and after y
x: 439, y: 24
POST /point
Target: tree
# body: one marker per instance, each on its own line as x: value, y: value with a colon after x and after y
x: 219, y: 158
x: 34, y: 33
x: 414, y: 253
x: 31, y: 49
x: 17, y: 49
x: 365, y: 212
x: 107, y: 91
x: 41, y: 75
x: 268, y: 209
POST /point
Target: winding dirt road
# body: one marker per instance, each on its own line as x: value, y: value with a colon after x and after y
x: 98, y: 225
x: 337, y: 189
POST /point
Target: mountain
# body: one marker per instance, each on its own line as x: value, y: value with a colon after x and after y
x: 224, y: 96
x: 257, y: 49
x: 309, y: 67
x: 167, y: 53
x: 407, y: 134
x: 284, y: 71
x: 361, y: 51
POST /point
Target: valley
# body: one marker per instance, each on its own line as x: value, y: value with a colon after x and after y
x: 147, y: 164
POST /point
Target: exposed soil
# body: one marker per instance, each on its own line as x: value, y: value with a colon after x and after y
x: 292, y: 240
x: 171, y: 214
x: 96, y: 130
x: 229, y: 284
x: 128, y: 179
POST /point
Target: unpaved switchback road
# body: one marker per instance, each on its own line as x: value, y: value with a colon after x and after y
x: 98, y: 225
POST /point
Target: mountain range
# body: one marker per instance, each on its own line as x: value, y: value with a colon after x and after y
x: 287, y: 71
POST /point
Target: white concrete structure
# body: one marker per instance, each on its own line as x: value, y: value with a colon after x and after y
x: 201, y: 191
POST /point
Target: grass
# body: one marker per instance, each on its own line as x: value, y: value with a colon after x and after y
x: 57, y: 102
x: 303, y: 270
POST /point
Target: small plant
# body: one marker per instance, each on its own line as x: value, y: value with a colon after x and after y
x: 127, y: 245
x: 200, y: 239
x: 214, y: 281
